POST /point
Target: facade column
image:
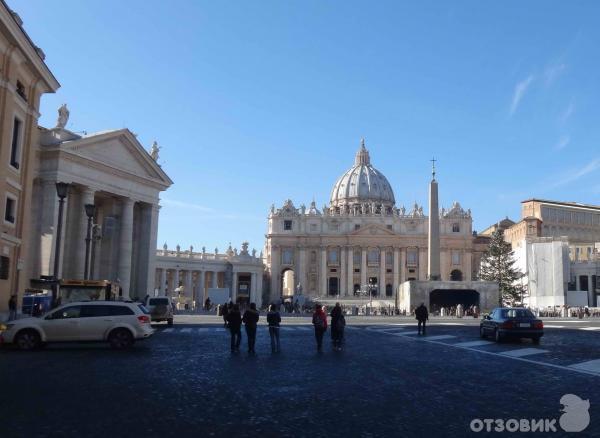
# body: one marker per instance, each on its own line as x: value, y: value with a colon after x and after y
x: 253, y: 297
x: 175, y: 281
x: 200, y: 289
x: 234, y: 284
x: 126, y: 246
x: 363, y: 268
x: 86, y: 197
x: 423, y: 264
x: 350, y: 273
x: 396, y: 271
x: 402, y: 265
x: 275, y: 292
x: 189, y: 292
x: 213, y: 280
x: 154, y: 211
x: 342, y: 283
x: 382, y: 272
x: 300, y: 274
x: 467, y: 261
x: 163, y: 281
x: 323, y: 273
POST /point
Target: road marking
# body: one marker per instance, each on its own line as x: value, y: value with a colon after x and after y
x: 446, y: 323
x: 437, y: 338
x: 523, y: 352
x: 186, y: 330
x: 472, y: 344
x: 554, y: 326
x: 168, y: 330
x: 377, y: 328
x: 591, y: 365
x: 588, y: 328
x: 405, y: 333
x: 202, y: 329
x: 303, y: 328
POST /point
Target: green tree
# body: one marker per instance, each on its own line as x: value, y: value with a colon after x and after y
x: 498, y: 265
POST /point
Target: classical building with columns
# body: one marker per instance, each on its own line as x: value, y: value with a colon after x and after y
x: 363, y: 241
x: 24, y: 79
x: 557, y: 247
x: 112, y: 171
x: 188, y: 276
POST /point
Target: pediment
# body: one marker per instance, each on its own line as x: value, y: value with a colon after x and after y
x: 119, y: 150
x: 373, y: 230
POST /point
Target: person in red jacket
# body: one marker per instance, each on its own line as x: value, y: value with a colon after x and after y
x: 319, y: 321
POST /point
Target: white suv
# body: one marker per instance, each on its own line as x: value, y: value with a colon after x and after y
x: 118, y: 322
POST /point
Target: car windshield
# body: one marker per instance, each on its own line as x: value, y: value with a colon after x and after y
x: 517, y: 313
x: 158, y: 301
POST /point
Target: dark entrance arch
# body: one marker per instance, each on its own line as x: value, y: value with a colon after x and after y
x: 439, y: 298
x: 456, y: 275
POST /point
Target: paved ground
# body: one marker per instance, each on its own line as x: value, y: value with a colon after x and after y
x: 387, y: 382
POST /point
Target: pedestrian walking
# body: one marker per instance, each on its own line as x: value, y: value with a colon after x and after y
x: 274, y: 320
x: 421, y: 315
x: 224, y: 312
x: 338, y: 323
x: 319, y: 320
x: 207, y: 304
x: 234, y: 322
x: 250, y: 319
x: 12, y: 307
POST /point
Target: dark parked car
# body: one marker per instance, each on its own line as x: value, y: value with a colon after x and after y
x: 511, y: 322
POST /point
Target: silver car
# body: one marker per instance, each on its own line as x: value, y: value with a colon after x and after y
x: 119, y: 323
x: 160, y: 308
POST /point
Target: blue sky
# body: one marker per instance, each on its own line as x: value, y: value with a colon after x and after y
x: 257, y: 102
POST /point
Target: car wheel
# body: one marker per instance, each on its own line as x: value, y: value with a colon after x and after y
x: 170, y: 321
x: 536, y: 340
x: 120, y: 339
x: 28, y: 340
x: 482, y: 332
x: 497, y: 336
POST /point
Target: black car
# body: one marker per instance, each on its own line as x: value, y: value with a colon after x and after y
x: 511, y: 322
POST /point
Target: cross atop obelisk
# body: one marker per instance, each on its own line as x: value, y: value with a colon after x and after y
x: 433, y: 160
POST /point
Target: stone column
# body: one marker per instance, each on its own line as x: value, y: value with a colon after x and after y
x: 233, y: 293
x: 301, y: 271
x: 213, y: 280
x: 363, y: 268
x: 200, y: 294
x: 152, y: 246
x: 87, y: 197
x: 402, y: 265
x: 396, y: 271
x: 350, y: 279
x: 253, y: 297
x: 126, y: 245
x: 382, y: 272
x: 275, y: 277
x: 175, y: 280
x: 163, y: 281
x: 422, y: 254
x: 189, y: 293
x: 342, y: 284
x: 323, y: 273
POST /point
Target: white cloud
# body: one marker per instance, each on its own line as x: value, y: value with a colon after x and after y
x: 520, y: 90
x: 553, y: 72
x: 576, y: 174
x: 567, y: 113
x: 562, y: 142
x: 186, y: 205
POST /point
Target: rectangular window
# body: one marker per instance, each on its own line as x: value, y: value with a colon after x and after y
x: 21, y: 91
x: 333, y: 256
x: 389, y: 227
x: 9, y: 212
x: 357, y: 270
x: 313, y: 227
x: 313, y: 256
x: 287, y: 225
x: 4, y: 267
x: 455, y: 257
x: 15, y: 147
x: 455, y: 228
x: 357, y: 256
x: 288, y: 257
x: 411, y: 257
x: 357, y: 226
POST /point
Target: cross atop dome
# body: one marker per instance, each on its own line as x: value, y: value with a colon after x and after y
x: 362, y: 156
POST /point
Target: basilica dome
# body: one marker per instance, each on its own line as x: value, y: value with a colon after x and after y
x: 362, y: 183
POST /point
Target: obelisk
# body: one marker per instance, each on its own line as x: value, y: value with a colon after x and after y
x: 433, y: 256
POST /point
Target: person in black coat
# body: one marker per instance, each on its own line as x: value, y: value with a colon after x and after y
x: 234, y: 322
x: 251, y: 320
x: 421, y: 315
x: 338, y: 323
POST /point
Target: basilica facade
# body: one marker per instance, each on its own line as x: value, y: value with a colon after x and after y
x: 362, y: 241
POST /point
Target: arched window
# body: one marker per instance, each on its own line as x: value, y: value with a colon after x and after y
x: 456, y: 275
x: 373, y: 256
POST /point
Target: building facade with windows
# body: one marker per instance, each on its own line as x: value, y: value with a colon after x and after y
x: 363, y: 241
x: 557, y: 247
x: 24, y: 78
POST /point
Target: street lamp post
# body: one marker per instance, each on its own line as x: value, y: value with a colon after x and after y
x: 96, y: 237
x: 62, y: 189
x: 90, y: 209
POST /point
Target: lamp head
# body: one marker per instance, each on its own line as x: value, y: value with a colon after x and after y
x: 90, y: 209
x: 62, y: 189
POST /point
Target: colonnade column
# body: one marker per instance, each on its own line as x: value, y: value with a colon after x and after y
x: 323, y: 273
x: 175, y: 280
x: 213, y: 280
x: 363, y: 268
x: 200, y: 290
x: 350, y: 273
x: 126, y: 246
x: 395, y: 271
x: 234, y: 284
x: 342, y: 283
x: 189, y: 293
x: 163, y: 281
x: 382, y: 272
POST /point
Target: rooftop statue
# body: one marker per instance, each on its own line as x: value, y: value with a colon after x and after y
x: 63, y: 116
x: 154, y: 151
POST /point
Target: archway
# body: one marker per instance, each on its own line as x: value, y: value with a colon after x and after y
x: 288, y: 278
x: 456, y: 275
x: 439, y: 298
x: 333, y: 286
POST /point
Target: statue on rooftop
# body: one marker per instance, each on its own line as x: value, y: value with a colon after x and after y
x: 63, y: 116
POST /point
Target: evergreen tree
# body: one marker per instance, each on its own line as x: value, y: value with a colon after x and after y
x: 497, y: 265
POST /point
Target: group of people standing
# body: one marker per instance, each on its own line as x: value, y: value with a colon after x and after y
x: 234, y: 319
